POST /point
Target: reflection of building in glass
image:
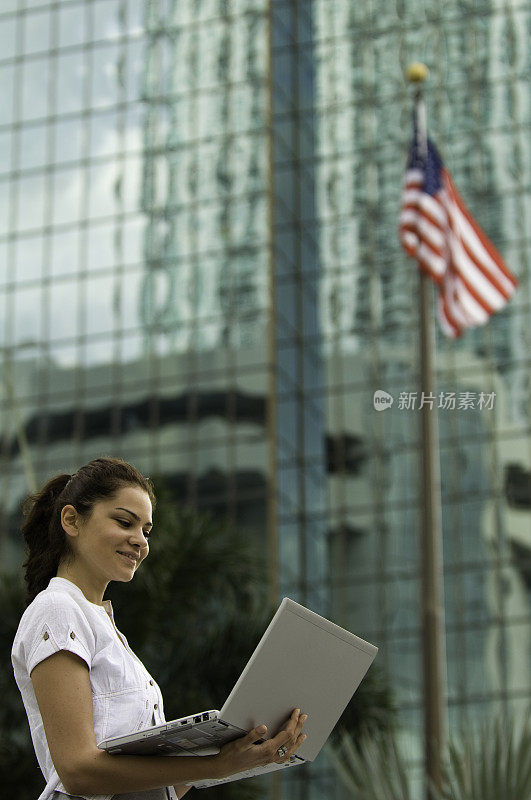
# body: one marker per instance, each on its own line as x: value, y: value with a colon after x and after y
x: 367, y: 310
x: 205, y: 180
x: 200, y: 271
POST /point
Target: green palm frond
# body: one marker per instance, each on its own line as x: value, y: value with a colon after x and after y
x: 372, y: 769
x: 492, y: 762
x: 372, y: 708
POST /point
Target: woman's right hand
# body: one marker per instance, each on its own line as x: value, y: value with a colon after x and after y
x: 245, y: 753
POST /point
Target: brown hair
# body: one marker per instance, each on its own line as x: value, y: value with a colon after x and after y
x: 46, y: 541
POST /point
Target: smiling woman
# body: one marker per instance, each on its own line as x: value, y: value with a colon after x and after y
x: 76, y: 525
x: 79, y: 679
x: 111, y: 530
x: 83, y: 531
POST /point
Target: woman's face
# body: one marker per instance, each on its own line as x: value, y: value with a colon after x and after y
x: 116, y: 527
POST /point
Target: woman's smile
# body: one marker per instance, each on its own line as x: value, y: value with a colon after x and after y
x: 132, y: 558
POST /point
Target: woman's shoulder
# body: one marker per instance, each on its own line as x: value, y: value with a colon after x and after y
x: 51, y: 606
x: 50, y: 599
x: 54, y: 620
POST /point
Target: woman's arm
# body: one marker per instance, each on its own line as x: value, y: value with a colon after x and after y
x: 63, y: 692
x: 62, y: 689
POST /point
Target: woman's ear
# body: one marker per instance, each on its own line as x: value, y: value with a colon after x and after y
x: 69, y: 520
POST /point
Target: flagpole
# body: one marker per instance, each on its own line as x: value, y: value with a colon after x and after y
x: 432, y: 605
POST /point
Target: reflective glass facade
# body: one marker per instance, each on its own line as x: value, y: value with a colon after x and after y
x: 200, y: 271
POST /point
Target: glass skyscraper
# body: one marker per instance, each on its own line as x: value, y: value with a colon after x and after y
x: 200, y: 271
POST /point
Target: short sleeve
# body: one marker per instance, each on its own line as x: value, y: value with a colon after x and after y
x: 56, y: 622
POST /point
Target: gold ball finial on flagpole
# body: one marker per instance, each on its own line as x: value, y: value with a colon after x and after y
x: 417, y: 72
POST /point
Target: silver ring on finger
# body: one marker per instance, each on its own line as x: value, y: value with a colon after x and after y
x: 282, y: 751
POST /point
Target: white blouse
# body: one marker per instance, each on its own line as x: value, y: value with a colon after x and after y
x: 125, y: 697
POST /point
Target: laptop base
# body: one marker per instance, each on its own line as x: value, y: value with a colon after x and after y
x: 249, y: 773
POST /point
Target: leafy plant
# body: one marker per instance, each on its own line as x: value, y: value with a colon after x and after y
x: 373, y: 769
x: 492, y: 764
x: 19, y: 772
x: 372, y: 710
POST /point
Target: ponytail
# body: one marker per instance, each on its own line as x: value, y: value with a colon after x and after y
x: 47, y: 544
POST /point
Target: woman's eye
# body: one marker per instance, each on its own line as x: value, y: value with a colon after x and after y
x: 125, y: 523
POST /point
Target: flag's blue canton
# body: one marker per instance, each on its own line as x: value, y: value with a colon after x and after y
x: 432, y: 168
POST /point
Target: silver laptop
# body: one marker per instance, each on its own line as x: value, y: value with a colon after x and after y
x: 302, y: 661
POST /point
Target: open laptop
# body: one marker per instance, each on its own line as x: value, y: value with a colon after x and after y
x: 302, y: 661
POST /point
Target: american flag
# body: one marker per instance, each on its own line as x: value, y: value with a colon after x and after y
x: 437, y: 229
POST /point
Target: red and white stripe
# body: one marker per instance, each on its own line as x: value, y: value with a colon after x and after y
x: 474, y: 282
